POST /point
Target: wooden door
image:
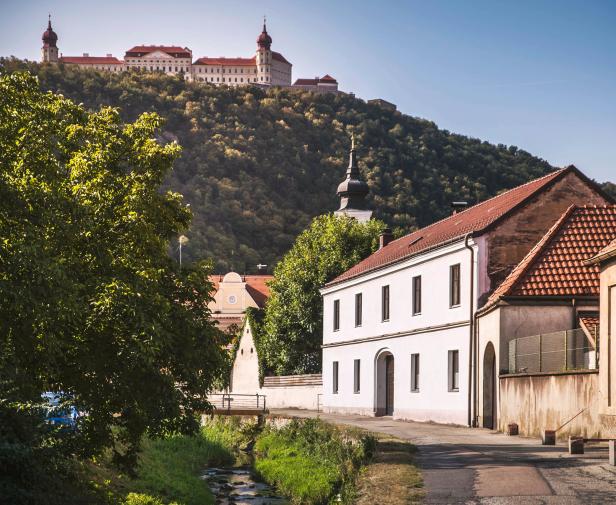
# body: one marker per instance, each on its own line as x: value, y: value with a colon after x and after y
x: 389, y: 385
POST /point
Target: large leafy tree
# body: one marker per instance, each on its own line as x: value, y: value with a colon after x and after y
x: 293, y: 325
x: 91, y: 304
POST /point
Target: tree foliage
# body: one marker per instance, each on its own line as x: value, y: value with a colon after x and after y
x: 292, y: 331
x: 91, y: 304
x: 257, y: 165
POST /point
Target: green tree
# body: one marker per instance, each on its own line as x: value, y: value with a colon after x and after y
x: 91, y: 304
x: 293, y: 325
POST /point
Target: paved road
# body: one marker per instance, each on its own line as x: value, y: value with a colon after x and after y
x: 476, y: 466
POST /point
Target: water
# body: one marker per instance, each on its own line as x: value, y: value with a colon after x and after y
x: 237, y: 486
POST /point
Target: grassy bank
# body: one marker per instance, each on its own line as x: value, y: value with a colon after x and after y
x: 313, y: 462
x: 169, y: 468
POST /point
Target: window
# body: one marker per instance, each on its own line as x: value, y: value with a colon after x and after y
x: 417, y: 295
x: 356, y: 382
x: 336, y: 315
x: 453, y: 371
x: 335, y: 378
x: 358, y: 309
x: 385, y: 303
x: 415, y: 373
x: 454, y: 285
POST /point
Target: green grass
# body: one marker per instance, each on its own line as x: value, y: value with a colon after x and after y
x: 312, y: 462
x: 170, y: 468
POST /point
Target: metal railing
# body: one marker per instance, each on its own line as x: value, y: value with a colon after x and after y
x: 231, y: 402
x: 558, y: 351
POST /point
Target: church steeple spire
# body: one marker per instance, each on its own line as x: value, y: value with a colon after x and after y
x: 353, y: 191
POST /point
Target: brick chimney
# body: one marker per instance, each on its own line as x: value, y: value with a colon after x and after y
x: 385, y: 238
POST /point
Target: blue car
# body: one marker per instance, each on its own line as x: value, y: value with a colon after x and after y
x: 57, y: 415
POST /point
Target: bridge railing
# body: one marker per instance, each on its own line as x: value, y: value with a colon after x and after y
x: 229, y: 403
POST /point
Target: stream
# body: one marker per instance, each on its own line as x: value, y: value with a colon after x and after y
x: 238, y: 486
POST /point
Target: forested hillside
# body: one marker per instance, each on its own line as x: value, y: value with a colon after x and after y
x: 258, y: 164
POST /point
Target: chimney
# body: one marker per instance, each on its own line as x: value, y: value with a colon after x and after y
x: 385, y: 238
x: 109, y: 55
x: 86, y: 54
x: 458, y: 207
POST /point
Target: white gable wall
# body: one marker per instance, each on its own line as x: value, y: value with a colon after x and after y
x: 431, y: 334
x: 245, y: 372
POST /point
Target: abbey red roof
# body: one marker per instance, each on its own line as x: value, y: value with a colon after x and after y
x: 474, y: 220
x: 557, y: 265
x: 327, y: 79
x: 82, y: 60
x: 175, y: 51
x: 226, y: 61
x: 279, y: 57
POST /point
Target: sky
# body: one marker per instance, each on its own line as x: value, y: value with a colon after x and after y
x: 539, y: 74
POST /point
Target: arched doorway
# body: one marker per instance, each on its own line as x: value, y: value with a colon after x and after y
x: 489, y: 387
x: 384, y: 384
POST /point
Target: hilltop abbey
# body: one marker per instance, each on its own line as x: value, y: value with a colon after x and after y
x: 265, y: 68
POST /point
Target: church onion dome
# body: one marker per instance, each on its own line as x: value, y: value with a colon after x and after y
x: 264, y: 40
x: 352, y: 191
x: 49, y: 36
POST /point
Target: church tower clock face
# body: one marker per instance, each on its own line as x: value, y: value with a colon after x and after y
x: 232, y: 299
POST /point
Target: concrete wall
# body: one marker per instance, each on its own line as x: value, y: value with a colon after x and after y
x: 542, y: 402
x: 607, y: 354
x: 293, y: 397
x: 508, y: 322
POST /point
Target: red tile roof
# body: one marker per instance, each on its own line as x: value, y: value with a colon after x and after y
x: 607, y: 252
x: 279, y: 57
x: 82, y: 60
x: 589, y: 322
x: 175, y: 51
x: 226, y: 61
x: 475, y: 219
x: 557, y: 265
x: 313, y: 82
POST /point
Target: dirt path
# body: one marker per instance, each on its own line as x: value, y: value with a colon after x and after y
x: 476, y: 466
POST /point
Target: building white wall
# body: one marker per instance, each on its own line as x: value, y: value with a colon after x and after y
x: 438, y: 329
x: 245, y: 372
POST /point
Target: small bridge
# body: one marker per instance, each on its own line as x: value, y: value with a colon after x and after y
x: 230, y: 404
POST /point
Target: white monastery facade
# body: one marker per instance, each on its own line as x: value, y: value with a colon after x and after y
x: 265, y: 68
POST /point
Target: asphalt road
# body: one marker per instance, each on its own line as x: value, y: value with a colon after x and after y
x: 477, y: 466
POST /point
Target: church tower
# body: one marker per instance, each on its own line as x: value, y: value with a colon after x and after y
x: 264, y: 57
x: 49, y: 51
x: 353, y: 191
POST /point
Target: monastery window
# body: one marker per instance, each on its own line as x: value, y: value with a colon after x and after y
x: 417, y: 295
x: 454, y: 285
x: 335, y: 377
x: 385, y: 303
x: 356, y: 381
x: 415, y: 373
x: 241, y: 79
x: 453, y: 370
x: 336, y: 315
x: 358, y: 309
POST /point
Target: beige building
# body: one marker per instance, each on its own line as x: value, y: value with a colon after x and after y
x: 539, y: 333
x: 234, y: 293
x: 171, y: 60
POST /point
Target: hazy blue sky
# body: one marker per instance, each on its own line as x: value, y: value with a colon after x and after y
x: 537, y: 74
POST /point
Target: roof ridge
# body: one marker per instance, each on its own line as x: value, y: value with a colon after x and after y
x: 551, y: 174
x: 529, y: 260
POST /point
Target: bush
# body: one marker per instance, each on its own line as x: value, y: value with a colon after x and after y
x: 313, y: 462
x: 143, y: 499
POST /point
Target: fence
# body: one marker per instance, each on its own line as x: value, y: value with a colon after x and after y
x: 228, y: 403
x: 552, y: 352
